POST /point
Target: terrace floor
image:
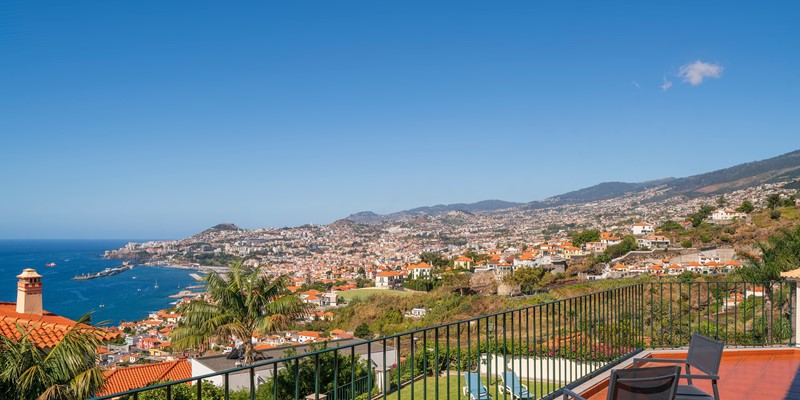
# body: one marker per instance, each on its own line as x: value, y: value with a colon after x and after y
x: 745, y: 374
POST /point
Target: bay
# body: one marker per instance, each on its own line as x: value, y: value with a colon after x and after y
x: 127, y: 296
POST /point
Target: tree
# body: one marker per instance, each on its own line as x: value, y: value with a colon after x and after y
x: 456, y: 281
x: 579, y: 238
x: 670, y: 225
x: 65, y: 371
x: 780, y: 253
x: 701, y: 214
x: 362, y: 331
x: 721, y: 202
x: 248, y: 303
x: 433, y: 259
x: 773, y: 201
x: 747, y: 207
x: 527, y: 278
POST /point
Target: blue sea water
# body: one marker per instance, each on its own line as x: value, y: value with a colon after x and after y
x: 126, y: 296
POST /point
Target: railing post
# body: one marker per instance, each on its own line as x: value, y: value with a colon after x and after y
x: 794, y: 283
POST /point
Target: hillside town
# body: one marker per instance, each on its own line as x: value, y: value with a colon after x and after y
x: 323, y: 263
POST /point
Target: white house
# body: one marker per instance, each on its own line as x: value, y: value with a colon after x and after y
x: 388, y: 279
x: 421, y: 270
x: 642, y: 228
x: 726, y: 215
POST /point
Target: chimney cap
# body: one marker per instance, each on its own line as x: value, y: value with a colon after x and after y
x: 29, y: 273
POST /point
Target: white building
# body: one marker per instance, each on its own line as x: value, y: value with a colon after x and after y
x: 642, y: 228
x: 726, y: 215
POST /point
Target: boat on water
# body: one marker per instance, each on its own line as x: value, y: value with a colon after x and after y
x: 51, y: 264
x: 156, y: 285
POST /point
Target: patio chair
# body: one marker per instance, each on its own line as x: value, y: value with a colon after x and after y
x: 657, y: 383
x: 514, y: 387
x: 475, y: 388
x: 705, y: 354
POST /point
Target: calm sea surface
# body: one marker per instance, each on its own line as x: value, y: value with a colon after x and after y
x: 124, y: 297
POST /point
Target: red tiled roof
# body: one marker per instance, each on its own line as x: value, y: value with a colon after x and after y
x: 46, y: 330
x: 122, y: 379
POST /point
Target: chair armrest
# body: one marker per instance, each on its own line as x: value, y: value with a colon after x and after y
x: 569, y: 393
x: 636, y: 361
x: 693, y: 376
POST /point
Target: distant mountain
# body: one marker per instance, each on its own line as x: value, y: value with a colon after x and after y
x: 780, y: 168
x: 783, y: 167
x: 366, y: 217
x: 219, y: 228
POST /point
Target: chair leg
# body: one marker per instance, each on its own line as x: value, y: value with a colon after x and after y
x: 716, y: 391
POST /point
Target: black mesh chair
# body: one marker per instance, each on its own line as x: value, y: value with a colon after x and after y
x: 657, y: 383
x: 705, y: 355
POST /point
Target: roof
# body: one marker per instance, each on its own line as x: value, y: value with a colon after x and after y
x: 46, y: 330
x: 122, y: 379
x: 791, y: 275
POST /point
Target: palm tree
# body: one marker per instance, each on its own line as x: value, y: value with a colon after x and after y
x: 246, y: 304
x: 780, y: 253
x: 65, y: 371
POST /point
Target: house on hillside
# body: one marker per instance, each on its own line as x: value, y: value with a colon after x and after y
x: 422, y: 270
x: 642, y: 228
x: 463, y: 262
x: 726, y: 215
x: 388, y: 279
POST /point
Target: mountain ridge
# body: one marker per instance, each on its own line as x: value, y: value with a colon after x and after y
x: 783, y: 167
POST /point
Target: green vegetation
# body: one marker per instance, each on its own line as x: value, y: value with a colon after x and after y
x: 698, y: 217
x: 434, y: 259
x: 428, y: 387
x: 248, y: 303
x: 65, y: 371
x: 529, y: 278
x: 746, y: 207
x: 579, y: 238
x: 350, y: 295
x: 216, y: 260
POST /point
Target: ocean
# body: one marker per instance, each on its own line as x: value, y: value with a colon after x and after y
x: 127, y: 296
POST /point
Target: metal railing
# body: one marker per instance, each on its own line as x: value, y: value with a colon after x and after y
x: 547, y: 346
x: 738, y: 313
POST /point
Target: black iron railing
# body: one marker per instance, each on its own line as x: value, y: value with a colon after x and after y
x: 546, y: 346
x: 738, y: 313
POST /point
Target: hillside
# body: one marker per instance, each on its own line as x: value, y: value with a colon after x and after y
x: 776, y: 169
x: 481, y: 206
x: 785, y: 167
x: 219, y: 228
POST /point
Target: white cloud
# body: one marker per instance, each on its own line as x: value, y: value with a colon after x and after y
x: 666, y: 85
x: 695, y: 73
x: 635, y: 84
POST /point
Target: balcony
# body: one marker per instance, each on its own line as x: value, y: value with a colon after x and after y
x: 566, y: 343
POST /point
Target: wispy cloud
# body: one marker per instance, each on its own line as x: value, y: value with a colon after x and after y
x: 695, y: 73
x: 636, y: 84
x: 666, y: 85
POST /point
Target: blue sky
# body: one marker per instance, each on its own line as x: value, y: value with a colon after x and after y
x: 159, y: 119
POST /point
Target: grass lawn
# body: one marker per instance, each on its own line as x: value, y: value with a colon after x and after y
x: 420, y: 392
x: 366, y: 292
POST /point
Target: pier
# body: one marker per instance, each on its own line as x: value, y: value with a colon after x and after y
x: 106, y: 272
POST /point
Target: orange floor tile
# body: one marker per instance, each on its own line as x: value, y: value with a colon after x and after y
x: 760, y: 375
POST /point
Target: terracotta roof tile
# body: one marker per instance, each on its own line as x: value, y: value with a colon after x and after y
x: 122, y: 379
x: 46, y: 330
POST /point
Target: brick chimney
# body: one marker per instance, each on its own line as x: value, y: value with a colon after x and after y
x: 29, y: 292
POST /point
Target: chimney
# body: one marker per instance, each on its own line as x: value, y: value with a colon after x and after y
x: 29, y: 292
